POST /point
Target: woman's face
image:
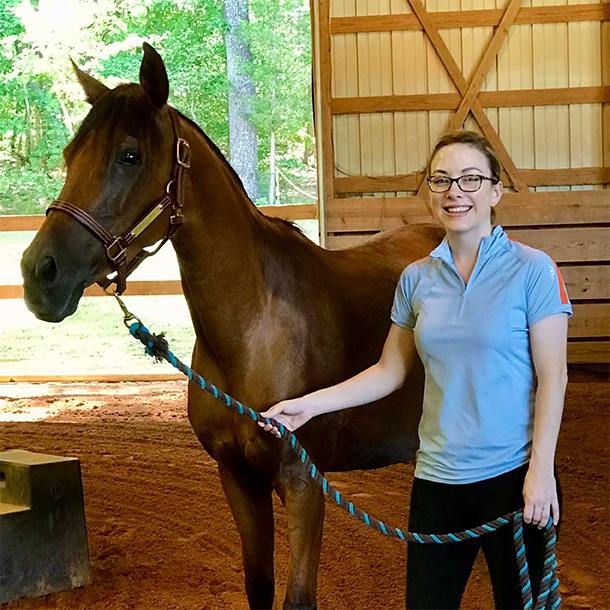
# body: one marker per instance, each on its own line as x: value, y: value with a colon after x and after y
x: 459, y: 211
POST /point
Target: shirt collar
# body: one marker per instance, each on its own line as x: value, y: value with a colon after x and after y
x: 489, y: 245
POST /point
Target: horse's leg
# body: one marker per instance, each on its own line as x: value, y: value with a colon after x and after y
x: 252, y: 508
x: 304, y: 503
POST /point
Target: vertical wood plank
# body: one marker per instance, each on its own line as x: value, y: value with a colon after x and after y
x: 420, y: 151
x: 551, y: 70
x: 366, y: 153
x: 385, y: 88
x: 399, y: 78
x: 353, y: 122
x: 339, y: 89
x: 491, y: 81
x: 605, y: 36
x: 324, y: 121
x: 438, y: 79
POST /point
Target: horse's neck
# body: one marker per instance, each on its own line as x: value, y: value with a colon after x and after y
x: 222, y: 253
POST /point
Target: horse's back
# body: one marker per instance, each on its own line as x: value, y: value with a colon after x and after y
x: 391, y: 250
x: 365, y: 276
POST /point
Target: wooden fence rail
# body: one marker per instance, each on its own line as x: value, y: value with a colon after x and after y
x: 140, y: 287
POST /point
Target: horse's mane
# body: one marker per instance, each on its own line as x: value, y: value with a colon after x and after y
x: 234, y: 174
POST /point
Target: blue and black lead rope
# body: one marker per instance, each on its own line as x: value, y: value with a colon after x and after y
x: 548, y: 595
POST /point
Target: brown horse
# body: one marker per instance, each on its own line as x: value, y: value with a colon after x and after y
x: 275, y: 316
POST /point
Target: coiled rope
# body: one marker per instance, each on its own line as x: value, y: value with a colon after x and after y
x: 548, y: 596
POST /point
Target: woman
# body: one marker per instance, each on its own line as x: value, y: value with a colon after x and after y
x: 487, y: 316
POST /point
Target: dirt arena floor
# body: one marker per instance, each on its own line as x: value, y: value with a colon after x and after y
x: 161, y: 535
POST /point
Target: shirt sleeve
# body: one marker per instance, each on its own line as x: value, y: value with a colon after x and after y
x: 545, y: 290
x: 402, y: 310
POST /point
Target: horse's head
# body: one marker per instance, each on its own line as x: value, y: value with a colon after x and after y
x: 121, y: 182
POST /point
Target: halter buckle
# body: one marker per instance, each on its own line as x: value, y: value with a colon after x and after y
x: 120, y: 256
x: 183, y: 153
x: 176, y: 218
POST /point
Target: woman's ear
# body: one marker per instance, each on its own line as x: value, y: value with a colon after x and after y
x: 497, y: 192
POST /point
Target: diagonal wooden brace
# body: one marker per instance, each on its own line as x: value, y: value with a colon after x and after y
x: 490, y: 54
x: 472, y: 104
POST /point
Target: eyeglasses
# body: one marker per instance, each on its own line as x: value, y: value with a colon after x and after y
x: 470, y: 183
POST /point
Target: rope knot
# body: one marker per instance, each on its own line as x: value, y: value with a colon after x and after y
x: 156, y: 345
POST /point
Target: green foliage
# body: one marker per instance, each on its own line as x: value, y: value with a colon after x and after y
x: 41, y: 103
x: 189, y: 36
x: 26, y: 190
x: 279, y: 36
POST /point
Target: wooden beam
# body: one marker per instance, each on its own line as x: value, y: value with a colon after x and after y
x: 576, y: 176
x: 554, y: 208
x: 21, y: 223
x: 134, y: 288
x: 347, y: 240
x: 305, y: 211
x: 515, y: 210
x: 375, y: 213
x: 587, y: 281
x: 378, y: 184
x: 109, y: 378
x: 570, y: 245
x: 572, y: 176
x: 325, y: 63
x: 590, y: 320
x: 469, y: 19
x: 487, y: 99
x: 322, y: 119
x: 588, y: 352
x: 573, y: 245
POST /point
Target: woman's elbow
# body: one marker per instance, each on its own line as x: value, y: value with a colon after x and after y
x: 557, y: 378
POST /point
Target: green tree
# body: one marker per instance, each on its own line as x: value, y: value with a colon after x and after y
x: 280, y: 40
x: 41, y: 103
x: 243, y: 141
x: 189, y: 36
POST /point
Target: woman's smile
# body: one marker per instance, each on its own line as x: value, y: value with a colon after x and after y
x: 457, y: 210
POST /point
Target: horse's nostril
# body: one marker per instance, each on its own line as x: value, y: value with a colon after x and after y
x: 47, y: 270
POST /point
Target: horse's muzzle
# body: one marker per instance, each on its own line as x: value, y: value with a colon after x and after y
x: 48, y: 293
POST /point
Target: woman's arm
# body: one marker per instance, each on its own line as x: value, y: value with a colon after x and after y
x: 548, y: 340
x: 371, y: 384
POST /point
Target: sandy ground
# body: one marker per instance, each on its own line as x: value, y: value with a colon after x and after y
x: 161, y: 535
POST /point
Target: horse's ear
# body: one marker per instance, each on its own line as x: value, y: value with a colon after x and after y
x: 153, y: 76
x: 93, y: 88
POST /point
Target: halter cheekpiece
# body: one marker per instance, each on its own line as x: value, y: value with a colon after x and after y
x: 116, y: 247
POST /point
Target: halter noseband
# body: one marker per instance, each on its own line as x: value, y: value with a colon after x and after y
x: 116, y: 247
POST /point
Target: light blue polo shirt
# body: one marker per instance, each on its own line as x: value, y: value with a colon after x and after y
x: 473, y: 340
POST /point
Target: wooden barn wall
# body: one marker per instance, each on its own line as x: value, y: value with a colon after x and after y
x: 535, y: 75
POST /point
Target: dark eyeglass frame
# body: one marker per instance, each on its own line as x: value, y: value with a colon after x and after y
x: 457, y: 181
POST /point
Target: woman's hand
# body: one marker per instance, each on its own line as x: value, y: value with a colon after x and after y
x: 292, y: 413
x: 540, y: 496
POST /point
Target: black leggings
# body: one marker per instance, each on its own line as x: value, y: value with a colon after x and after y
x: 437, y: 574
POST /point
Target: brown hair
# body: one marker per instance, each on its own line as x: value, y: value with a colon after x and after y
x: 477, y: 141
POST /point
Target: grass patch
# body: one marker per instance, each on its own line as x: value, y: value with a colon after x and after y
x: 94, y: 339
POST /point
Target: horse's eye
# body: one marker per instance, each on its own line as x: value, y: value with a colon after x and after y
x: 129, y: 157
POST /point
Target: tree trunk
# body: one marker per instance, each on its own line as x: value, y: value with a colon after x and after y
x: 272, y: 170
x: 68, y: 122
x: 28, y: 124
x: 309, y: 143
x: 243, y: 144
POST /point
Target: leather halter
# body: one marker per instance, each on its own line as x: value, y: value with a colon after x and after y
x: 116, y: 247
